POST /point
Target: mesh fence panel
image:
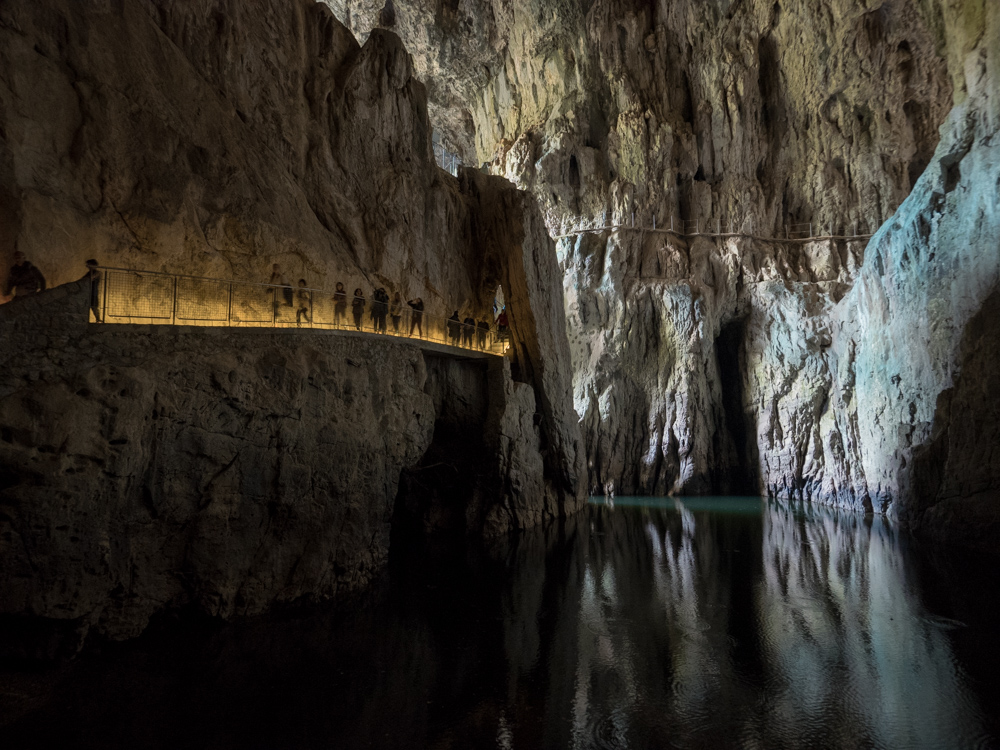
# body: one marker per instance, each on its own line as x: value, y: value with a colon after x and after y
x: 253, y: 304
x: 202, y: 299
x: 322, y: 309
x: 137, y: 295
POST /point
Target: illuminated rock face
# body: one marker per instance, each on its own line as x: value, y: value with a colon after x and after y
x: 804, y: 370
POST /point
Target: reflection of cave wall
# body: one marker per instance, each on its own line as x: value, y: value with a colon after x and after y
x: 735, y: 439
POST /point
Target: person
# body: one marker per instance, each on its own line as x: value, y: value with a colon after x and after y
x: 502, y: 325
x: 380, y: 308
x: 94, y: 276
x: 468, y: 327
x: 278, y: 280
x: 305, y: 302
x: 483, y: 329
x: 24, y: 278
x: 339, y: 305
x: 396, y: 311
x: 417, y: 316
x: 358, y: 307
x: 454, y: 328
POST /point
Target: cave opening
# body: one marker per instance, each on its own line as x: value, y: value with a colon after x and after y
x: 736, y: 451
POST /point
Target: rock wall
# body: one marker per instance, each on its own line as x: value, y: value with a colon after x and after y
x: 216, y: 138
x: 146, y: 468
x: 851, y: 116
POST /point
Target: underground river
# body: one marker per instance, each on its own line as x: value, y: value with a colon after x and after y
x: 653, y: 622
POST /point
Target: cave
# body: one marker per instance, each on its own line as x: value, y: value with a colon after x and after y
x: 736, y: 432
x: 494, y: 373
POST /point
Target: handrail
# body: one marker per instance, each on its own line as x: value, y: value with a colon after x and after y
x: 659, y: 230
x: 126, y: 295
x: 203, y: 278
x: 703, y: 228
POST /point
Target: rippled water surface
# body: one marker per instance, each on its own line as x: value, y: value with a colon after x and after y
x: 707, y: 623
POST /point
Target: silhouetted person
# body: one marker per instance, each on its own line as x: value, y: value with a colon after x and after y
x: 304, y: 297
x: 483, y: 329
x: 94, y: 277
x: 396, y: 311
x: 468, y: 327
x: 24, y: 278
x: 417, y: 316
x: 358, y: 307
x: 339, y: 304
x: 454, y: 328
x: 380, y: 308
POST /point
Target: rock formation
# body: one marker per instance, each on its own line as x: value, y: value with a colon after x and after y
x: 145, y: 468
x: 822, y: 370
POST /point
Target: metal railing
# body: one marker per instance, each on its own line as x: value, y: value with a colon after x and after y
x: 715, y: 227
x: 447, y: 160
x: 152, y: 297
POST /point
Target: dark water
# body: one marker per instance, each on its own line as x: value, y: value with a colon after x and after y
x: 710, y: 623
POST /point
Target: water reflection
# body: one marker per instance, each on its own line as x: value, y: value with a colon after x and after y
x: 726, y: 622
x: 653, y: 623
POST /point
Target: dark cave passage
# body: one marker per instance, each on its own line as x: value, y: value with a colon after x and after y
x: 736, y: 452
x: 440, y: 495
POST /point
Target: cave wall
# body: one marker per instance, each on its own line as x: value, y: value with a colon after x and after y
x: 145, y: 468
x: 216, y: 138
x: 854, y: 116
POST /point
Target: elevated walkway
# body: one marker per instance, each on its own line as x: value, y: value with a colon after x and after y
x: 121, y: 296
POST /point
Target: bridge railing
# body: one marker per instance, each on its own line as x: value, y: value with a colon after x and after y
x: 152, y: 297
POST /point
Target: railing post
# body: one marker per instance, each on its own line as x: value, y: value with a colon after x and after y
x: 104, y: 300
x: 229, y: 312
x: 810, y: 229
x: 671, y: 222
x: 173, y: 315
x: 274, y: 306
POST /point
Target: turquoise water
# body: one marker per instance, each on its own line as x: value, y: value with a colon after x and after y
x: 646, y: 623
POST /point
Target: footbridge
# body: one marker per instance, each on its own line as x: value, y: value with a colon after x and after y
x: 122, y: 296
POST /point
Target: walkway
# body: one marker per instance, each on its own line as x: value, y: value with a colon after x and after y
x: 127, y: 296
